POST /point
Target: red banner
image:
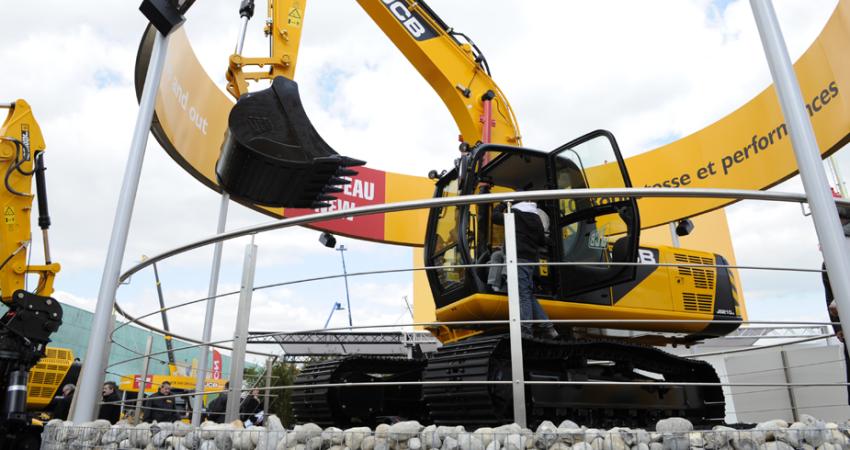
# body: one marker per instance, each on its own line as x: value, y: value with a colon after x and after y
x: 216, y: 365
x: 366, y: 188
x: 148, y: 381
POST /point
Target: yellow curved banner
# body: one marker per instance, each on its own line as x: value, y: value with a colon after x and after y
x: 747, y: 149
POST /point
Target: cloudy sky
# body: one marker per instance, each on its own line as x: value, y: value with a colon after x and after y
x: 649, y: 71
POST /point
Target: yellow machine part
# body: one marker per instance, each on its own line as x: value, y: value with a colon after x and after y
x: 678, y: 293
x: 45, y: 378
x: 179, y: 383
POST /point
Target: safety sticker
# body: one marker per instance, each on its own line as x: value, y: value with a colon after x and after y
x: 295, y: 17
x: 9, y: 216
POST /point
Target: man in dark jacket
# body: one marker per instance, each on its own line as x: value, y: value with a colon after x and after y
x: 218, y: 407
x: 161, y: 409
x: 109, y: 410
x: 63, y: 405
x: 250, y: 406
x: 530, y: 238
x: 844, y: 215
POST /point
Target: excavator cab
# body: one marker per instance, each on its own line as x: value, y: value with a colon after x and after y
x: 592, y: 230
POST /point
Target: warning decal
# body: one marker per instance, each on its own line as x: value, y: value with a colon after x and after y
x: 294, y: 16
x: 9, y: 215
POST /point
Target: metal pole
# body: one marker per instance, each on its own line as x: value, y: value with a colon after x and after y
x: 168, y: 345
x: 143, y: 381
x: 839, y: 180
x: 517, y: 370
x: 341, y: 251
x: 201, y: 373
x: 824, y: 212
x: 674, y: 238
x: 240, y: 335
x: 269, y: 366
x: 91, y: 376
x: 791, y: 396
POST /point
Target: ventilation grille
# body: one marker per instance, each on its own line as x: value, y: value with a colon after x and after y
x: 697, y: 302
x: 46, y: 376
x: 703, y: 278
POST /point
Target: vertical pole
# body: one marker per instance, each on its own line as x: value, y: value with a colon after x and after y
x: 794, y: 414
x: 341, y: 251
x: 172, y: 366
x: 674, y: 238
x: 839, y: 180
x: 824, y: 212
x: 143, y: 381
x: 240, y: 335
x: 91, y: 376
x: 123, y: 401
x: 269, y: 367
x: 517, y: 370
x: 201, y: 373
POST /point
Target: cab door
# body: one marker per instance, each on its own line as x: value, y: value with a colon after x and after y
x: 592, y: 230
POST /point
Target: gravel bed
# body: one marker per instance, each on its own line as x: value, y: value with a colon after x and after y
x: 669, y: 434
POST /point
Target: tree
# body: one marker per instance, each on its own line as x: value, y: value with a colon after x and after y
x: 283, y: 374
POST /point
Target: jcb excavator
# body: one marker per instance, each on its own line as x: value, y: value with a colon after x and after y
x: 271, y: 124
x: 32, y: 315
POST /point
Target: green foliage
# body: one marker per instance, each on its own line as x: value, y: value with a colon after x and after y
x: 283, y: 374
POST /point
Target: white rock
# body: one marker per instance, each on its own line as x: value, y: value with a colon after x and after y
x: 502, y: 432
x: 641, y: 446
x: 255, y: 433
x: 140, y: 435
x: 273, y: 423
x: 332, y: 436
x: 381, y: 431
x: 515, y: 441
x: 559, y: 446
x: 613, y: 441
x: 314, y: 443
x: 592, y: 433
x: 450, y: 443
x: 719, y: 436
x: 597, y: 443
x: 125, y: 444
x: 431, y: 437
x: 158, y: 440
x: 696, y: 440
x: 403, y: 431
x: 642, y: 437
x: 414, y: 444
x: 568, y: 424
x: 305, y: 432
x: 336, y: 447
x: 674, y: 425
x: 115, y: 434
x: 381, y: 444
x: 546, y: 435
x: 570, y: 435
x: 352, y: 437
x: 529, y: 438
x: 207, y: 445
x: 675, y: 441
x: 776, y: 445
x: 181, y: 429
x: 743, y: 440
x: 484, y: 434
x: 656, y: 446
x: 581, y: 446
x: 828, y: 446
x: 223, y: 440
x: 494, y: 445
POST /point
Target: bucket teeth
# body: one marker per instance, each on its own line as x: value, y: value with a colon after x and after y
x: 324, y: 198
x: 351, y: 162
x: 337, y: 180
x: 331, y: 189
x: 343, y: 172
x: 316, y: 205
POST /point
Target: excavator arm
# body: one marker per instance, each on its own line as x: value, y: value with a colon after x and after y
x: 32, y: 315
x: 273, y: 156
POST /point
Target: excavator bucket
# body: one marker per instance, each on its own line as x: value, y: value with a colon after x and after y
x: 274, y: 156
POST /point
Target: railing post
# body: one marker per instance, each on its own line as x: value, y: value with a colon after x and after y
x: 240, y: 335
x: 143, y: 381
x: 824, y: 212
x: 269, y: 367
x: 517, y: 370
x: 91, y: 375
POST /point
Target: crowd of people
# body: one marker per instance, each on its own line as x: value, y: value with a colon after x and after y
x: 162, y: 406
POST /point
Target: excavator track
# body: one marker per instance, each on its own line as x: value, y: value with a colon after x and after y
x: 578, y: 360
x: 358, y: 406
x: 488, y: 358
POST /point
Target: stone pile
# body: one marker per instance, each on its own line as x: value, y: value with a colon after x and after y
x: 670, y: 434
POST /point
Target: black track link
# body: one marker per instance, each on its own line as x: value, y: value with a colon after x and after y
x: 357, y: 405
x: 489, y: 358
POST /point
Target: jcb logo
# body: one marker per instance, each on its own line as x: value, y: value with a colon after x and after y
x: 646, y: 256
x: 412, y: 22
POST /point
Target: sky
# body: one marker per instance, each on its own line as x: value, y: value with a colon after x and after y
x: 650, y: 72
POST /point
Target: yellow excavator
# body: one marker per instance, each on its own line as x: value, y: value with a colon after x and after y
x: 275, y: 157
x: 30, y: 373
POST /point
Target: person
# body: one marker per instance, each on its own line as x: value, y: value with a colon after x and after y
x: 531, y: 233
x: 159, y: 409
x: 108, y: 409
x: 63, y: 405
x: 250, y: 406
x: 831, y: 306
x: 218, y: 407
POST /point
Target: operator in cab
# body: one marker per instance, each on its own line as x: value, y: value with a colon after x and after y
x: 532, y: 225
